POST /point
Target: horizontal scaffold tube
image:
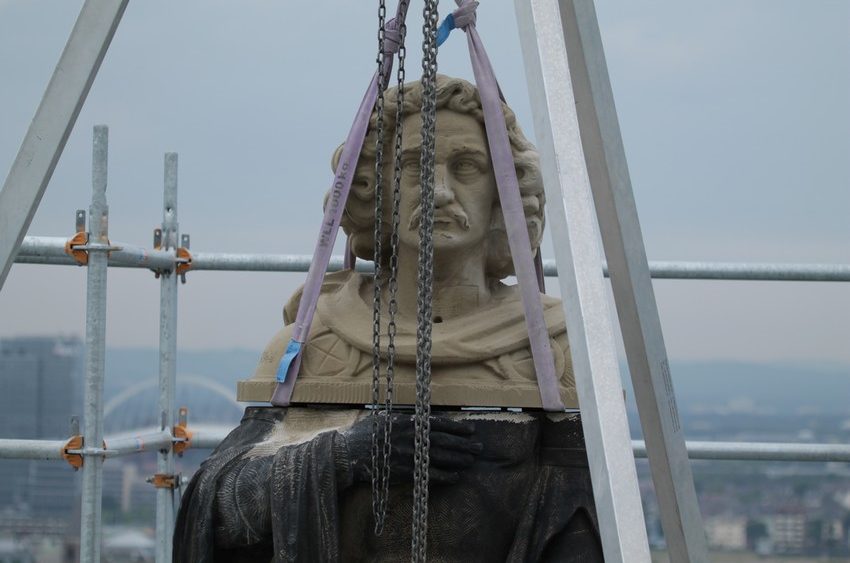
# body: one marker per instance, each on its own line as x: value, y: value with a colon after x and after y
x: 56, y: 449
x: 51, y: 250
x: 31, y: 449
x: 210, y: 438
x: 759, y: 451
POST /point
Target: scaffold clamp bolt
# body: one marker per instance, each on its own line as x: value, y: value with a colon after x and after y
x: 74, y: 443
x: 164, y: 481
x: 182, y: 439
x: 80, y: 238
x: 184, y: 262
x: 184, y: 257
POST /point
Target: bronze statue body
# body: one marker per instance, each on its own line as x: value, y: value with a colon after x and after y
x: 294, y: 484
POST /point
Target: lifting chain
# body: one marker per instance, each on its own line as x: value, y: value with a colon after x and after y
x: 392, y: 306
x: 421, y: 458
x: 379, y: 486
x: 381, y: 450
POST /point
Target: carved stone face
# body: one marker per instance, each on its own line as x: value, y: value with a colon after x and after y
x: 464, y: 185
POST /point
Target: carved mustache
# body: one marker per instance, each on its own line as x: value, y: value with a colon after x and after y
x: 452, y: 213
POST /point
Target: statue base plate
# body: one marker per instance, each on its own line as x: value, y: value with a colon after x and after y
x: 442, y: 394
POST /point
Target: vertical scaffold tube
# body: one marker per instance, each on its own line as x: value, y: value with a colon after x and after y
x: 95, y: 350
x: 167, y: 361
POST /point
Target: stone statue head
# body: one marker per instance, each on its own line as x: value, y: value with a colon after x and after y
x: 461, y: 97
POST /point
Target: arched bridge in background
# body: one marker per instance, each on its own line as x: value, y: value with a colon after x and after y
x: 208, y: 401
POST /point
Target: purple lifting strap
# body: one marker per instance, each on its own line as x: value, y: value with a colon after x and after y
x: 509, y: 196
x: 291, y: 360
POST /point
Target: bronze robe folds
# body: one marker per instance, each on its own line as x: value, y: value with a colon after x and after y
x: 279, y: 488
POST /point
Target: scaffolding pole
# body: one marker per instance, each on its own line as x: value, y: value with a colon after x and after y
x: 117, y: 446
x: 90, y: 535
x: 51, y: 251
x: 209, y: 439
x: 54, y: 119
x: 167, y: 362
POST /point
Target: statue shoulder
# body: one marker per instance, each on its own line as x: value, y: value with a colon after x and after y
x: 332, y: 283
x: 323, y: 345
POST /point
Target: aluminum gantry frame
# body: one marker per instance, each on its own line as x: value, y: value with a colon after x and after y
x: 581, y: 147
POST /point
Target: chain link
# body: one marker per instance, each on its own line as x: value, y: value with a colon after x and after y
x: 379, y: 487
x: 425, y: 283
x: 392, y: 282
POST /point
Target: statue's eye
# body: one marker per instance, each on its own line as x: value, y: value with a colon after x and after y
x: 410, y: 165
x: 465, y: 165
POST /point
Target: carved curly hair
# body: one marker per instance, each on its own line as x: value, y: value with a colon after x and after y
x: 456, y: 95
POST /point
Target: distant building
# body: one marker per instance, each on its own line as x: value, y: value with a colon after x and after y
x: 40, y: 389
x: 727, y: 533
x: 787, y: 530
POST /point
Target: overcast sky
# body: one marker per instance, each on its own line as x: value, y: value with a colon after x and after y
x: 735, y: 116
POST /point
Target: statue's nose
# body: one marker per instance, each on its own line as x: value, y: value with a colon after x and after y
x: 443, y: 194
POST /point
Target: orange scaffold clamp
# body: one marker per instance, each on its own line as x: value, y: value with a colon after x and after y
x: 73, y: 443
x: 182, y: 434
x: 77, y: 247
x: 183, y: 439
x: 184, y: 261
x: 164, y: 481
x: 80, y: 238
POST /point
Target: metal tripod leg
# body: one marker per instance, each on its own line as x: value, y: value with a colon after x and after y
x: 53, y: 123
x: 576, y: 122
x: 579, y: 259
